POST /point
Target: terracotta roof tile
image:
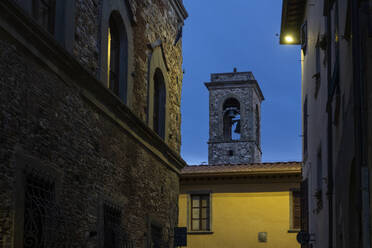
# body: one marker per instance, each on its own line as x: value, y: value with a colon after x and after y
x: 237, y: 168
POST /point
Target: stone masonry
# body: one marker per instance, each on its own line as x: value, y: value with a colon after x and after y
x: 60, y: 123
x: 243, y: 87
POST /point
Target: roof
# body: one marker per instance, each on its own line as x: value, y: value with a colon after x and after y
x: 254, y: 168
x: 234, y: 79
x: 292, y: 18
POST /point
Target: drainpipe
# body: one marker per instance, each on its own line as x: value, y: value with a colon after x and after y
x: 361, y: 118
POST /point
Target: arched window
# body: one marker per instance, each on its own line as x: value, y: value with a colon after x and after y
x: 159, y: 103
x: 231, y: 119
x: 258, y: 137
x: 117, y: 61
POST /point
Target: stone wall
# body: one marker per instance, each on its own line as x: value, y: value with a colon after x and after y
x: 49, y: 121
x: 242, y: 152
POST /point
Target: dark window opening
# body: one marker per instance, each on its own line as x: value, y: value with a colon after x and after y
x: 316, y: 76
x: 319, y: 171
x: 318, y: 193
x: 112, y: 227
x: 296, y: 210
x: 44, y: 11
x: 200, y: 219
x: 336, y: 118
x: 117, y: 56
x: 231, y: 119
x: 304, y: 206
x: 304, y: 37
x: 156, y: 236
x: 231, y: 153
x: 159, y: 104
x: 114, y: 40
x: 38, y: 211
x: 347, y: 29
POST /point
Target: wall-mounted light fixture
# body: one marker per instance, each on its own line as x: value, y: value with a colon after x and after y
x: 289, y: 38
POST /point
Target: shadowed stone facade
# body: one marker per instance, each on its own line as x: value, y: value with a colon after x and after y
x: 99, y: 166
x: 222, y: 148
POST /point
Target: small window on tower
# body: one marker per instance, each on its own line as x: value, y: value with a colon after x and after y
x: 231, y: 153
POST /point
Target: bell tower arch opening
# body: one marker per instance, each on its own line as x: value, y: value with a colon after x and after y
x: 231, y: 119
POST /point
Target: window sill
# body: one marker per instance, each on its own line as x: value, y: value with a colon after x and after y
x: 294, y: 230
x: 199, y: 232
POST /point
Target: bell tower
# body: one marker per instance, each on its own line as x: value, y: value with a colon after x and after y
x: 234, y: 118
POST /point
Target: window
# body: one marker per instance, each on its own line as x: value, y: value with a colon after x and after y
x: 159, y: 103
x: 316, y: 76
x: 337, y: 107
x: 112, y: 221
x: 319, y: 179
x: 38, y: 212
x: 347, y: 28
x: 156, y: 236
x: 319, y: 169
x: 114, y: 55
x: 200, y: 212
x: 43, y: 11
x: 296, y: 210
x: 305, y: 205
x: 117, y: 56
x: 305, y: 119
x: 304, y: 37
x: 231, y: 119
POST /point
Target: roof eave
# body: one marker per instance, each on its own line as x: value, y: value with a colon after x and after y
x: 292, y: 18
x: 241, y: 173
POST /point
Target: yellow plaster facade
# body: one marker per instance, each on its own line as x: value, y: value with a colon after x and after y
x: 239, y: 210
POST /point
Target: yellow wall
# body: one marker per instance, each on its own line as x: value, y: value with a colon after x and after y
x: 237, y: 217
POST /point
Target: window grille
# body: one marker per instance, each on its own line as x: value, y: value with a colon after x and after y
x: 112, y: 227
x: 44, y: 225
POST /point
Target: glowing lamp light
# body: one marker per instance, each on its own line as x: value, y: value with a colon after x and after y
x: 289, y: 38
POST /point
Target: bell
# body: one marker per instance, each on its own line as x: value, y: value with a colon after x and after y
x: 231, y: 113
x: 237, y: 128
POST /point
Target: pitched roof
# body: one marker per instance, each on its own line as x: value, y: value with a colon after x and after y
x: 274, y: 167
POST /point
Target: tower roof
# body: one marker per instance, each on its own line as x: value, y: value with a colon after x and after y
x: 234, y: 80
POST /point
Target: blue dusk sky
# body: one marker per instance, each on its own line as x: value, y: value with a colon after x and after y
x: 220, y: 35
